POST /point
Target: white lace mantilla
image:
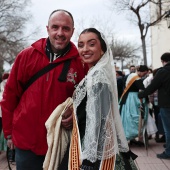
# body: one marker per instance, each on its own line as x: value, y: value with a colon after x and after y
x: 104, y: 135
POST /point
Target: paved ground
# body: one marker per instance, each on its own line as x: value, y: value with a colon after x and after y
x: 149, y: 161
x: 145, y: 161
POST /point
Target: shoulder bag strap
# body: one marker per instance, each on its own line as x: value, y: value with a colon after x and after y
x: 47, y: 69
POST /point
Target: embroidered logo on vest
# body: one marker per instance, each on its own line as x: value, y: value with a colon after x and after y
x: 71, y: 76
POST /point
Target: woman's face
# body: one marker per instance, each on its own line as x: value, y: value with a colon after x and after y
x: 89, y: 48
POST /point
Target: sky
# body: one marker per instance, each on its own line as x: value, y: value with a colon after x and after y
x: 85, y: 10
x: 82, y: 9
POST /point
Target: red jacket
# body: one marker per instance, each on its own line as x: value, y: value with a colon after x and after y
x: 25, y: 113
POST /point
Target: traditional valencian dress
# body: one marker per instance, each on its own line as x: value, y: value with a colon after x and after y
x: 130, y: 107
x: 98, y: 135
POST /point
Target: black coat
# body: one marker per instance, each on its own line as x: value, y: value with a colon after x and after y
x: 161, y: 81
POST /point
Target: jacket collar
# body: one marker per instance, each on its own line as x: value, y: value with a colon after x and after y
x: 40, y: 46
x: 51, y: 55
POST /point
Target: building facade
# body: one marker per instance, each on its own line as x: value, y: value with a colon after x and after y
x: 160, y: 34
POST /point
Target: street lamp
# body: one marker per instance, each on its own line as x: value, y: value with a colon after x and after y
x: 167, y: 17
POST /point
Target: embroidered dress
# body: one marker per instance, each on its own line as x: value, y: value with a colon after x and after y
x: 130, y: 108
x: 98, y: 138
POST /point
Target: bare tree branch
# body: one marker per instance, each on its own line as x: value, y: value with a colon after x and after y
x: 14, y: 17
x: 140, y: 9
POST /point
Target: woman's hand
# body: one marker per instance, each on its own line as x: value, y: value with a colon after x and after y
x: 67, y: 118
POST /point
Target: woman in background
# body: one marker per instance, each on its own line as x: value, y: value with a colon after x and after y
x: 130, y: 104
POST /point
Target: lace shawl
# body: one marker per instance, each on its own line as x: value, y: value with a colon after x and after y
x: 104, y: 134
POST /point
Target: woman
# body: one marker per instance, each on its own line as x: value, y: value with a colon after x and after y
x: 130, y: 106
x: 97, y: 130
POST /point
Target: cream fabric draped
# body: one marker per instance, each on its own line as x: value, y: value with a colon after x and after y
x: 57, y: 137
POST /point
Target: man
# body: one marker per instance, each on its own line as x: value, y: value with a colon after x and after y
x: 161, y: 82
x: 132, y: 69
x: 25, y: 112
x: 119, y: 77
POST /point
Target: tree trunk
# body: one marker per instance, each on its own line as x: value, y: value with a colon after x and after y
x: 122, y: 64
x: 144, y: 50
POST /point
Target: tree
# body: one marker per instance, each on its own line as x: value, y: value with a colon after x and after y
x: 141, y: 15
x: 13, y: 19
x: 120, y: 49
x: 124, y: 51
x: 106, y: 26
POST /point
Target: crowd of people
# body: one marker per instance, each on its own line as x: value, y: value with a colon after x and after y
x: 107, y: 111
x: 148, y: 91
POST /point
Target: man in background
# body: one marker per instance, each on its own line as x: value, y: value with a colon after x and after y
x: 161, y: 82
x: 132, y: 69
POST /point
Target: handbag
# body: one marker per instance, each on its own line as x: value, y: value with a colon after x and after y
x: 151, y: 126
x: 10, y: 154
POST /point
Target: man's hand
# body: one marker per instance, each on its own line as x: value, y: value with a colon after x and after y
x: 10, y: 144
x: 67, y: 118
x: 140, y: 94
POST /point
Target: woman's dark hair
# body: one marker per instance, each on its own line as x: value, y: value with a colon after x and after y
x: 95, y: 31
x: 119, y: 72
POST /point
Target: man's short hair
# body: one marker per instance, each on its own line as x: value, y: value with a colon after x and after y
x: 57, y: 10
x: 165, y: 57
x: 132, y: 66
x: 119, y: 73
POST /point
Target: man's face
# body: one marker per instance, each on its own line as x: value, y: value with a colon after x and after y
x: 132, y: 69
x: 60, y: 30
x: 142, y: 74
x: 163, y: 62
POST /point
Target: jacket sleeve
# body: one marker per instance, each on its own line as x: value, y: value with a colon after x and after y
x: 155, y: 84
x: 11, y: 96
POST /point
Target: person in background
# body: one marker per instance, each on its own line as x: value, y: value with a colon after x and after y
x: 24, y: 113
x: 146, y: 82
x: 98, y: 135
x: 119, y: 77
x: 130, y: 103
x: 151, y: 125
x: 149, y: 77
x: 2, y: 85
x: 2, y: 139
x: 161, y: 82
x: 132, y: 69
x: 158, y: 120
